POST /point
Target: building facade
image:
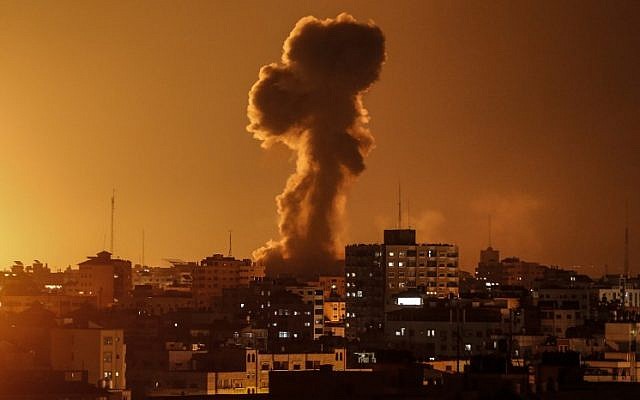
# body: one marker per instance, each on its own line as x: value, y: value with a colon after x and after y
x: 101, y: 352
x: 376, y: 274
x: 218, y: 272
x: 107, y: 278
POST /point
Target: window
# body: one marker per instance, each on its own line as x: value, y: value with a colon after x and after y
x: 281, y: 365
x: 391, y: 263
x: 283, y: 334
x: 107, y: 357
x: 107, y: 340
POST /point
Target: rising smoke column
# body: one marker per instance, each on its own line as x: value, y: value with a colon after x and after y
x: 312, y: 102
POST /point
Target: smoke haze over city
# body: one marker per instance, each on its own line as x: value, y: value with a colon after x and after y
x: 524, y: 111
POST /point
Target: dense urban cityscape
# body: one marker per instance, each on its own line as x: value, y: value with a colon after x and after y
x: 403, y: 200
x: 399, y: 318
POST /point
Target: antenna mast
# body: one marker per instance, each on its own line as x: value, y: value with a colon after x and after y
x: 230, y: 231
x: 399, y: 207
x: 408, y: 215
x: 113, y: 210
x: 626, y: 239
x: 142, y: 260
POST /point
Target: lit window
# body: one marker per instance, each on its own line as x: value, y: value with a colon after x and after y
x: 400, y: 264
x: 359, y: 293
x: 467, y: 347
x: 391, y: 263
x: 391, y: 254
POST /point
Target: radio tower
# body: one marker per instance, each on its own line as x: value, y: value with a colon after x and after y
x: 626, y: 240
x: 399, y: 207
x: 113, y: 210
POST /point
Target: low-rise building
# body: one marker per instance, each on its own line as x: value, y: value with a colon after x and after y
x: 241, y: 371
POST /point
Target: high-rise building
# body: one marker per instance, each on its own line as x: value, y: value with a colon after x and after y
x: 313, y: 296
x: 377, y: 273
x: 489, y: 256
x: 107, y: 278
x: 218, y: 272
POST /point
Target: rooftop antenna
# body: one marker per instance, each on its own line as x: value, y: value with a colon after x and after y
x: 626, y: 239
x: 399, y: 206
x: 408, y: 215
x: 230, y: 231
x: 142, y: 258
x: 489, y: 230
x: 113, y: 210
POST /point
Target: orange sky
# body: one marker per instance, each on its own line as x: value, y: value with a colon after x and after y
x: 525, y: 110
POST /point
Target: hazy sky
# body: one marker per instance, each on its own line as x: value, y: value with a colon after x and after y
x: 529, y: 111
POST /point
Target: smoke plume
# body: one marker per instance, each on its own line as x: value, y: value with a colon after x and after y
x: 312, y: 102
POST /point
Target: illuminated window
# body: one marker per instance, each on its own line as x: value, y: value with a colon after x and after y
x: 400, y: 264
x: 467, y: 347
x: 391, y: 254
x: 409, y: 301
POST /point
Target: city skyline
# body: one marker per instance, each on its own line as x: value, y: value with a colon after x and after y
x: 523, y: 112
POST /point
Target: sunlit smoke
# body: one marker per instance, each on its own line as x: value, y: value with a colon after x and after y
x: 312, y: 102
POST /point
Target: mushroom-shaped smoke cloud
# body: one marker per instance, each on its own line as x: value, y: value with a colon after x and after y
x: 312, y: 102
